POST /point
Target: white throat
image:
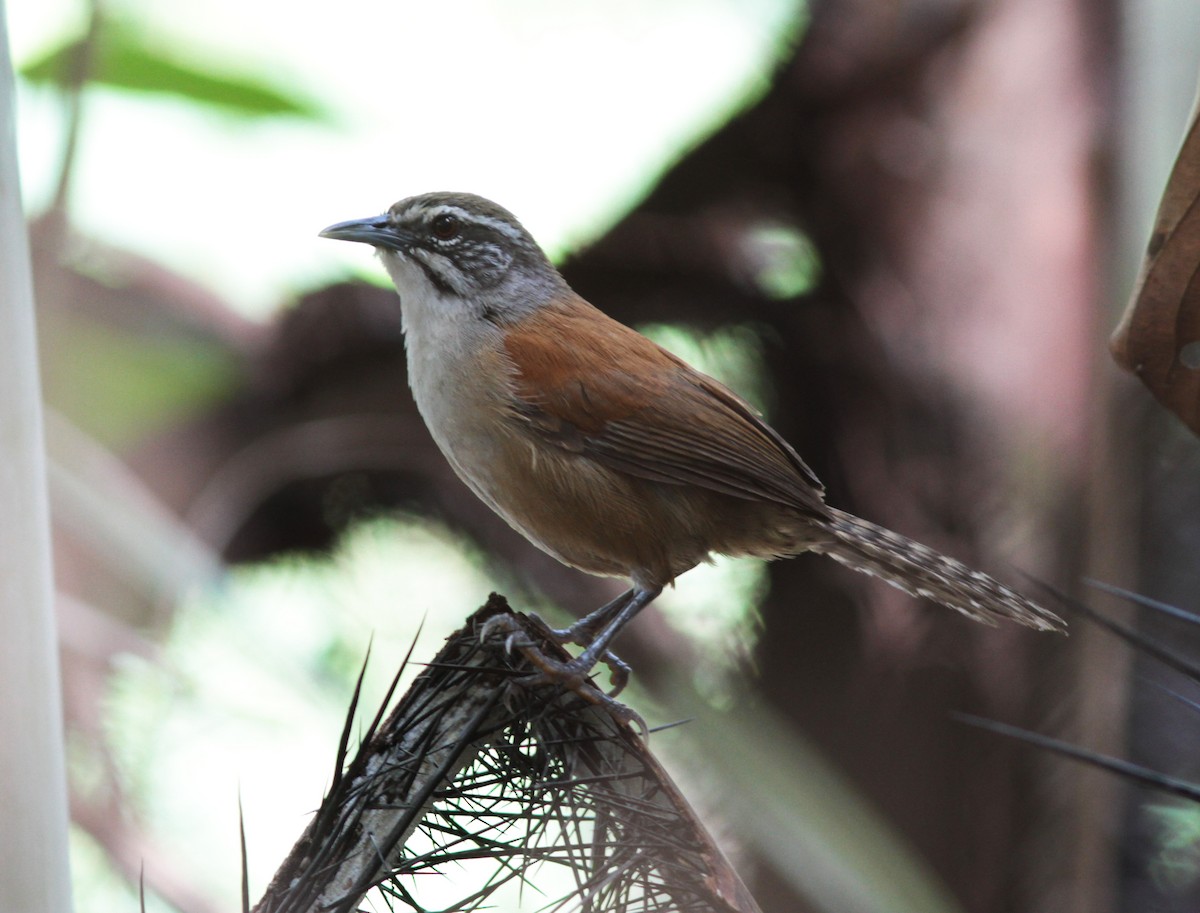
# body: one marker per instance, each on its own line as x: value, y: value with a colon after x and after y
x: 444, y: 340
x: 452, y: 363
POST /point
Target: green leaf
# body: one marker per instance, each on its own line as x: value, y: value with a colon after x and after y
x: 125, y: 59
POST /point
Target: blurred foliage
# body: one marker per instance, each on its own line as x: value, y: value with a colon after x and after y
x: 1177, y: 863
x: 716, y: 606
x: 123, y: 57
x: 96, y: 880
x: 733, y: 354
x: 787, y: 263
x: 118, y: 386
x: 292, y: 633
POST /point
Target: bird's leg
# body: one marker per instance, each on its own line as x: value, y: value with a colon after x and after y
x: 573, y: 674
x: 610, y: 625
x: 584, y: 630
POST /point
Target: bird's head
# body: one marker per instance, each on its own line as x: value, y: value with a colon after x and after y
x: 458, y: 246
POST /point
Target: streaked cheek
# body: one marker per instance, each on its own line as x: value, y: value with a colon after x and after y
x: 445, y: 268
x: 486, y: 264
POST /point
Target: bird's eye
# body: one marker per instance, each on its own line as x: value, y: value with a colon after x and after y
x: 445, y: 227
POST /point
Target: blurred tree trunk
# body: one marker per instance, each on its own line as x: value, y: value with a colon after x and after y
x: 34, y: 870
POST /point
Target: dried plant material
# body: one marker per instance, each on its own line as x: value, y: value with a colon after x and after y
x: 476, y: 782
x: 1159, y: 336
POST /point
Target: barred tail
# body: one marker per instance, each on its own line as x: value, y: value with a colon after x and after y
x: 920, y: 571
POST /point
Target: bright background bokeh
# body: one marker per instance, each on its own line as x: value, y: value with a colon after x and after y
x: 562, y: 112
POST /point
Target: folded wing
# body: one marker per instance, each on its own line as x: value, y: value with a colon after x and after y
x: 592, y: 386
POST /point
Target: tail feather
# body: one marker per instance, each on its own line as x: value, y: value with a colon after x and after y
x: 920, y: 571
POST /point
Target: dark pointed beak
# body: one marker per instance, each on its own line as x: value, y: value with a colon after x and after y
x: 377, y: 231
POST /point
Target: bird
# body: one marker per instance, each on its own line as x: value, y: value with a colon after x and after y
x: 601, y: 447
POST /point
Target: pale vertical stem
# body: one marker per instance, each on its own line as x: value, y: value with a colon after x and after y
x: 34, y: 873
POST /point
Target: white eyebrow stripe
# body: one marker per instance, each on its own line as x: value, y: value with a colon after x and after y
x: 504, y: 227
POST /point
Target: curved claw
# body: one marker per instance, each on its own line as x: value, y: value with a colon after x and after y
x: 573, y: 676
x: 504, y: 627
x: 619, y: 672
x: 626, y: 714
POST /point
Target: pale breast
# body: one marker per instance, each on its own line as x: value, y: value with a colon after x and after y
x: 577, y: 511
x: 456, y: 375
x: 459, y: 395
